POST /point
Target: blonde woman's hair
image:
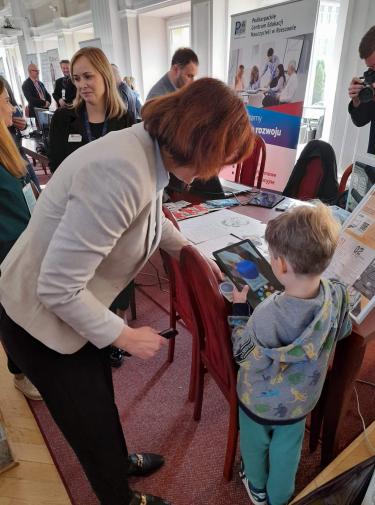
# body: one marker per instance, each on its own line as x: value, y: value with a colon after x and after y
x: 10, y: 157
x: 115, y: 107
x: 130, y: 81
x: 305, y: 236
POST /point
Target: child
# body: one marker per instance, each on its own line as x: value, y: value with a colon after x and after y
x: 283, y: 350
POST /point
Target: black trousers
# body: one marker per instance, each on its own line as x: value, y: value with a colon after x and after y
x: 78, y: 391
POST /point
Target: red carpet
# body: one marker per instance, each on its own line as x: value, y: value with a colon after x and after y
x: 152, y: 401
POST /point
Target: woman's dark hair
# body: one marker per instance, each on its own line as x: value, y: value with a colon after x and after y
x: 281, y: 71
x: 203, y: 125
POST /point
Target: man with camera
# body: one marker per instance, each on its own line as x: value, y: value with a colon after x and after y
x: 362, y: 89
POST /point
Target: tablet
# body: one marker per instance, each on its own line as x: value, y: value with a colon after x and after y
x: 243, y: 264
x: 265, y: 199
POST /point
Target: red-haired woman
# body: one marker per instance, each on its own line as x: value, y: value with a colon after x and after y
x: 94, y: 227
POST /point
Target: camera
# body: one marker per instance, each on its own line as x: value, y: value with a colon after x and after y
x: 368, y: 92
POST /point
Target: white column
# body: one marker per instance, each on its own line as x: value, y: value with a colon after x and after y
x: 347, y: 139
x: 209, y: 36
x: 25, y: 43
x: 107, y: 27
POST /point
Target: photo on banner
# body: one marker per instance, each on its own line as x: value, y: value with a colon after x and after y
x: 269, y: 61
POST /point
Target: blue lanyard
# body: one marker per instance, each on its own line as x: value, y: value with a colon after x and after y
x: 86, y: 124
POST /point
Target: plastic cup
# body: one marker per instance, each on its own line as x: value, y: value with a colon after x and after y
x: 226, y: 289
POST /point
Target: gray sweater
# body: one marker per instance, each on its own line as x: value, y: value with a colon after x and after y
x: 162, y: 87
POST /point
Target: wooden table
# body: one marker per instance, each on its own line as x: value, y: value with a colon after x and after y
x: 346, y: 364
x: 30, y: 147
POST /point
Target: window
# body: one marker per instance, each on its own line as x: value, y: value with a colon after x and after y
x: 178, y: 33
x: 179, y: 37
x: 319, y: 78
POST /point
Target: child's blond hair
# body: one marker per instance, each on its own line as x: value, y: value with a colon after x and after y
x: 306, y: 236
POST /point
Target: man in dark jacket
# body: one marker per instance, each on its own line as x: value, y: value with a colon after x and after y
x: 65, y: 91
x: 35, y: 91
x: 361, y: 112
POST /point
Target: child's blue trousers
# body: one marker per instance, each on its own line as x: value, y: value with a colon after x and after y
x: 271, y: 454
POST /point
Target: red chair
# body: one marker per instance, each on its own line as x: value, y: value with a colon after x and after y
x: 315, y: 174
x: 344, y: 178
x: 253, y: 167
x: 309, y: 186
x: 214, y: 353
x: 179, y: 305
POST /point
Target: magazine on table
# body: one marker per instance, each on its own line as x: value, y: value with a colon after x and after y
x: 354, y: 260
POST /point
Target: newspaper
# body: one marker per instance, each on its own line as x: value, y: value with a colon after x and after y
x: 354, y: 260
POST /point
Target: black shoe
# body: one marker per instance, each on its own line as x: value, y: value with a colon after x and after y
x: 147, y: 499
x: 116, y: 356
x: 144, y: 463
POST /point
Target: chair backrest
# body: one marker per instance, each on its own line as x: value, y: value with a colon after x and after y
x: 315, y: 174
x: 210, y: 313
x: 309, y: 185
x: 177, y: 284
x: 344, y: 178
x: 247, y: 170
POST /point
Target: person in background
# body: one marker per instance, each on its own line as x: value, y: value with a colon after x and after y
x: 184, y: 68
x: 35, y: 91
x: 238, y: 80
x: 95, y: 225
x: 276, y: 86
x: 254, y: 83
x: 363, y: 113
x: 287, y: 94
x: 19, y: 124
x: 130, y: 81
x: 290, y: 338
x: 97, y: 110
x: 271, y: 65
x: 14, y: 211
x: 126, y: 93
x: 65, y: 91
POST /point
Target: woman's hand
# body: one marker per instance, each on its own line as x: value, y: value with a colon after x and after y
x: 240, y: 296
x: 142, y: 342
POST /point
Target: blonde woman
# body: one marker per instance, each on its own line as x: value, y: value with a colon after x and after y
x: 97, y: 109
x: 130, y: 81
x: 14, y: 211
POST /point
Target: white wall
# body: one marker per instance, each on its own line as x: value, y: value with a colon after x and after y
x: 154, y: 50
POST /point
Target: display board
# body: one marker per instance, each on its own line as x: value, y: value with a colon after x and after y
x: 270, y: 51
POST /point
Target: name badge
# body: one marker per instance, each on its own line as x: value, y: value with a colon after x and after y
x: 75, y: 137
x: 28, y: 193
x: 63, y: 94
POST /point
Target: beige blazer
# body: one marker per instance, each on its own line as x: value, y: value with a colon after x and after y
x: 94, y: 227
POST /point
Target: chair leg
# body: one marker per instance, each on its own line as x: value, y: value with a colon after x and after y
x: 232, y: 438
x: 133, y: 306
x: 193, y: 369
x: 199, y: 386
x: 316, y: 419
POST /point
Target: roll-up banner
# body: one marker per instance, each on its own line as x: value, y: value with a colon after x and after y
x: 269, y: 60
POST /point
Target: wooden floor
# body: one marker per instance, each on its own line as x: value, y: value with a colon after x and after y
x: 35, y: 481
